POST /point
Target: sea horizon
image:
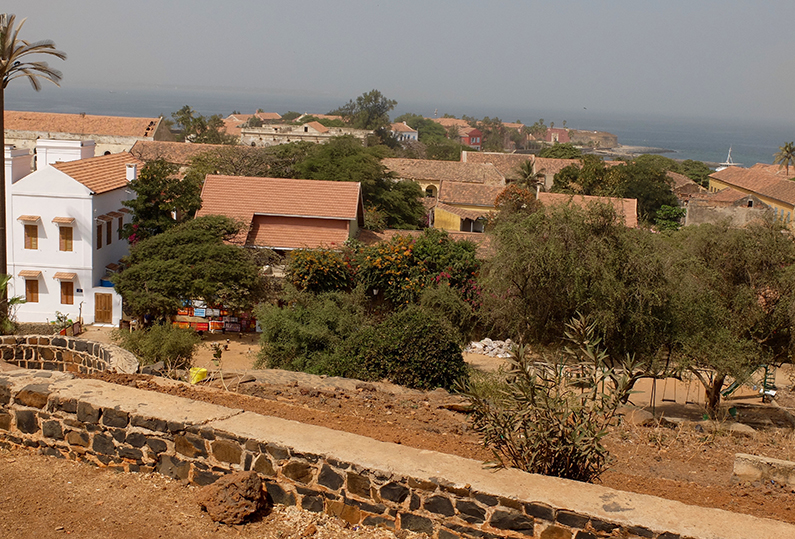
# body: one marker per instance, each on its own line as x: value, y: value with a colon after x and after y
x: 702, y: 139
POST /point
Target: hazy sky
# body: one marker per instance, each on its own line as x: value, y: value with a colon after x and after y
x: 724, y: 59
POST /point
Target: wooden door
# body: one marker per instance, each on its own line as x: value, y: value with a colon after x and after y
x: 103, y: 308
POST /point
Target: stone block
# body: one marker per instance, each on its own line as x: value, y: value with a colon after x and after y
x: 227, y: 451
x: 416, y: 523
x: 148, y: 423
x: 234, y: 498
x: 173, y: 467
x: 87, y: 413
x: 329, y: 478
x: 46, y: 354
x: 312, y: 503
x: 439, y: 505
x: 505, y: 520
x: 264, y: 466
x: 118, y: 434
x: 394, y: 492
x: 486, y: 499
x: 5, y: 421
x: 349, y: 513
x: 555, y: 532
x: 278, y: 452
x: 572, y: 520
x: 279, y: 495
x: 298, y: 471
x: 103, y: 444
x: 78, y: 438
x: 540, y: 510
x: 130, y: 453
x: 203, y: 478
x: 135, y: 439
x: 52, y: 429
x: 640, y: 531
x: 156, y: 445
x: 358, y: 485
x: 115, y: 418
x: 33, y: 395
x: 470, y: 511
x: 190, y: 445
x: 420, y: 484
x: 379, y: 522
x: 27, y: 421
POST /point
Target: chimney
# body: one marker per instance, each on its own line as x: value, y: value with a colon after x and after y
x: 132, y: 172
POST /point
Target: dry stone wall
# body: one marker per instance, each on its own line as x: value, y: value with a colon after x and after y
x: 65, y: 354
x: 358, y: 479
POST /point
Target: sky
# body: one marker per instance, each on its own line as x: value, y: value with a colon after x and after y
x: 672, y: 58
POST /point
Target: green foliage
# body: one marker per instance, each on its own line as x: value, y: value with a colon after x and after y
x: 159, y: 193
x: 696, y: 171
x: 201, y: 129
x: 369, y: 111
x: 290, y: 115
x: 448, y: 303
x: 7, y: 306
x: 785, y: 156
x: 649, y: 185
x: 328, y: 122
x: 173, y: 346
x: 669, y: 218
x: 561, y: 151
x: 428, y: 131
x: 514, y: 199
x: 538, y: 129
x: 550, y: 417
x: 189, y: 261
x: 232, y: 161
x: 319, y: 270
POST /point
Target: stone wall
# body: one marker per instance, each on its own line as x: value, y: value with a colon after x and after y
x: 360, y: 480
x: 65, y: 354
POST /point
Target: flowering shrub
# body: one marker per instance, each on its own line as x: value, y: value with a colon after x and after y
x: 319, y: 270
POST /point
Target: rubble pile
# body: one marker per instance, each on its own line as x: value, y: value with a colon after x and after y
x: 488, y: 347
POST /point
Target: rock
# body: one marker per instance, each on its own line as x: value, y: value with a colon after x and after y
x: 156, y: 368
x: 673, y: 422
x: 741, y: 430
x: 233, y: 498
x: 637, y: 416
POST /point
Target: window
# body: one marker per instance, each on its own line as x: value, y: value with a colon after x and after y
x: 31, y: 236
x: 65, y: 238
x: 109, y: 235
x: 32, y: 290
x: 99, y: 235
x: 67, y: 293
x: 121, y: 226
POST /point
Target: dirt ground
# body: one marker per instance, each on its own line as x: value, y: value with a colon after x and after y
x: 686, y: 463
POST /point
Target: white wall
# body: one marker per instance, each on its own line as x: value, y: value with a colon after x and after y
x: 49, y: 151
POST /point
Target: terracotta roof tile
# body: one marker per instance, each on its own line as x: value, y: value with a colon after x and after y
x: 548, y: 165
x: 464, y: 213
x: 431, y: 170
x: 626, y: 208
x: 469, y: 194
x: 507, y: 163
x: 317, y: 126
x: 401, y: 127
x: 320, y: 116
x: 100, y: 174
x: 179, y: 153
x: 760, y: 180
x: 450, y: 122
x: 81, y: 124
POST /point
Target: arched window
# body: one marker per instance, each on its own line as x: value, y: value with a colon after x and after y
x: 430, y: 191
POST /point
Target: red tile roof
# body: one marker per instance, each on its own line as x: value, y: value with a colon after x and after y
x: 179, y: 153
x: 548, y: 165
x: 432, y: 170
x: 760, y: 180
x: 290, y: 213
x: 472, y: 215
x: 506, y: 163
x: 626, y: 208
x: 100, y: 174
x: 402, y: 127
x: 469, y: 194
x: 449, y: 122
x: 317, y: 126
x: 84, y: 124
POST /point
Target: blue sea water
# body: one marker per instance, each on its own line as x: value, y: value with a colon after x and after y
x: 709, y: 140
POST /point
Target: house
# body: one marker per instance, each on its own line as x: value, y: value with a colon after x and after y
x: 546, y: 168
x: 110, y: 134
x: 736, y: 207
x: 430, y: 173
x: 234, y: 122
x: 464, y: 207
x: 403, y: 132
x: 683, y: 187
x: 506, y: 164
x: 769, y: 183
x: 626, y: 208
x: 64, y: 227
x: 271, y: 135
x: 556, y: 135
x: 465, y: 133
x: 286, y: 214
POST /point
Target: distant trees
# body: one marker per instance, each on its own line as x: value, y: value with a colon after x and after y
x: 561, y: 151
x: 786, y: 156
x: 200, y: 129
x: 369, y: 111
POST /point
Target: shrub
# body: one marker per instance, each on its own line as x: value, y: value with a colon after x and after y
x: 319, y: 270
x: 550, y: 417
x: 173, y: 346
x: 446, y: 302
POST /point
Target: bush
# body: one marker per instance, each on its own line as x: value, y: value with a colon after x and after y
x: 173, y: 346
x: 550, y: 417
x: 319, y: 270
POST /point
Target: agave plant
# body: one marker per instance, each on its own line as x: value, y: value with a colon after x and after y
x: 15, y: 64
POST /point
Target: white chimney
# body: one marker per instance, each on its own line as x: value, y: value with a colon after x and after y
x: 132, y: 172
x: 49, y: 151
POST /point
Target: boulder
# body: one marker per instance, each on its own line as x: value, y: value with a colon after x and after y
x: 637, y: 416
x: 741, y: 430
x: 233, y: 498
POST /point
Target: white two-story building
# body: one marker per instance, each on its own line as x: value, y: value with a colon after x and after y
x: 64, y: 226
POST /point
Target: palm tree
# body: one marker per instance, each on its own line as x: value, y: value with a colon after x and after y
x: 528, y: 177
x: 785, y: 156
x: 14, y: 64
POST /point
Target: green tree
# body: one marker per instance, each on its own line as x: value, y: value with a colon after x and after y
x: 290, y: 115
x: 369, y: 111
x: 232, y: 161
x: 163, y: 200
x: 538, y: 129
x: 786, y: 156
x: 561, y: 151
x: 696, y: 171
x: 191, y: 261
x: 201, y: 129
x: 15, y: 63
x: 649, y: 185
x: 528, y: 177
x: 173, y: 346
x: 669, y: 218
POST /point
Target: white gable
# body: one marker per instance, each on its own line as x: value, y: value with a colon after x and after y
x: 49, y: 181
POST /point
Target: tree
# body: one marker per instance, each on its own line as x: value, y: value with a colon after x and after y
x: 561, y: 151
x: 649, y: 185
x: 369, y: 111
x: 15, y: 64
x: 200, y: 129
x: 191, y: 261
x: 232, y: 161
x: 669, y: 218
x: 786, y: 156
x: 163, y: 200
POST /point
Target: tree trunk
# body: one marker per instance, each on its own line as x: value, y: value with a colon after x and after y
x: 3, y: 194
x: 713, y: 394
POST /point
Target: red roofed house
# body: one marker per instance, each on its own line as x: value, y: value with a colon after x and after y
x: 403, y: 132
x: 556, y: 135
x: 285, y: 214
x: 470, y: 136
x: 64, y: 235
x: 464, y: 207
x: 768, y: 182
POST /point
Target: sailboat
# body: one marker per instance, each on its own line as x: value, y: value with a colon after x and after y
x: 728, y: 163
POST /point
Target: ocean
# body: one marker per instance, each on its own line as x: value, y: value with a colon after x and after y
x: 709, y: 140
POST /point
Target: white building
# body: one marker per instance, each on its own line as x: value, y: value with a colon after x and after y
x: 64, y: 231
x: 403, y: 132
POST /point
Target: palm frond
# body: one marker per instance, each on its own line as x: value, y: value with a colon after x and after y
x: 14, y: 52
